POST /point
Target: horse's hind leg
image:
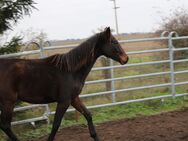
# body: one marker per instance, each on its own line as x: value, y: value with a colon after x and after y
x: 5, y: 120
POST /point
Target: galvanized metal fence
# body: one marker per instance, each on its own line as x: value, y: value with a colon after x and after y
x: 165, y: 36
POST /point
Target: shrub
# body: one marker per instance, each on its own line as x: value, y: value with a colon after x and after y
x: 178, y: 22
x: 11, y: 47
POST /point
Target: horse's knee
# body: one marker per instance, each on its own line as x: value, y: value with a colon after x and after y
x: 88, y: 116
x: 4, y: 126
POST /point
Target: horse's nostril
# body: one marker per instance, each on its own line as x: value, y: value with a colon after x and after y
x: 124, y: 59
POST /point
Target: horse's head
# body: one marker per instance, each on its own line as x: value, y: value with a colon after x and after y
x: 112, y: 48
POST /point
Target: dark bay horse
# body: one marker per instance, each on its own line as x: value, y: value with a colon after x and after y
x: 58, y: 78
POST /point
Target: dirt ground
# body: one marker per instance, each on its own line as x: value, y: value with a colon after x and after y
x: 172, y: 126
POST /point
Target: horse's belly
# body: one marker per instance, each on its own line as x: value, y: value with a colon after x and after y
x: 38, y: 97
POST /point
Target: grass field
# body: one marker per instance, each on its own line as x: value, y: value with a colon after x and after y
x: 124, y: 111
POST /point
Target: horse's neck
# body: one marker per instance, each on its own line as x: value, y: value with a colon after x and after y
x: 84, y: 70
x: 78, y: 61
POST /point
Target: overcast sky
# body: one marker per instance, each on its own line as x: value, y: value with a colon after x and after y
x: 62, y: 19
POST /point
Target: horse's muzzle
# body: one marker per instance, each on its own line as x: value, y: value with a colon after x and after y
x: 123, y: 59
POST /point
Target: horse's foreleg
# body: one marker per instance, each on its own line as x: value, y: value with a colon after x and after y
x: 5, y: 120
x: 78, y: 105
x: 60, y: 111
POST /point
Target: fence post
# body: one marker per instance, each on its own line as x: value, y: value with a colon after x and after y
x: 112, y: 81
x: 171, y: 57
x: 106, y: 72
x: 47, y: 113
x: 41, y: 50
x: 164, y: 66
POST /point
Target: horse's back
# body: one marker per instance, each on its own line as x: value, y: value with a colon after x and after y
x: 28, y: 80
x: 35, y: 81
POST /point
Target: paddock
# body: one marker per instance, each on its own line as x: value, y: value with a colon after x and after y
x: 171, y: 126
x: 118, y: 89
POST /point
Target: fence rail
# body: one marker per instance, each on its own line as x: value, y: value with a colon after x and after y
x: 172, y: 84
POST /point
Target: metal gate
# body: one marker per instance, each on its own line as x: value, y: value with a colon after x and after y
x: 169, y: 37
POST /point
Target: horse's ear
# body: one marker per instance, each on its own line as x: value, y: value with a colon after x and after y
x: 107, y: 33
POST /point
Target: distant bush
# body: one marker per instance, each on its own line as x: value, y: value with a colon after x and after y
x: 178, y: 22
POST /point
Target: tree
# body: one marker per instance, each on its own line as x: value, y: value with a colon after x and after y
x: 11, y: 47
x: 178, y: 22
x: 10, y: 12
x: 13, y: 10
x: 30, y: 35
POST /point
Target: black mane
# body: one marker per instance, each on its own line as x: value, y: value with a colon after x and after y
x: 75, y: 58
